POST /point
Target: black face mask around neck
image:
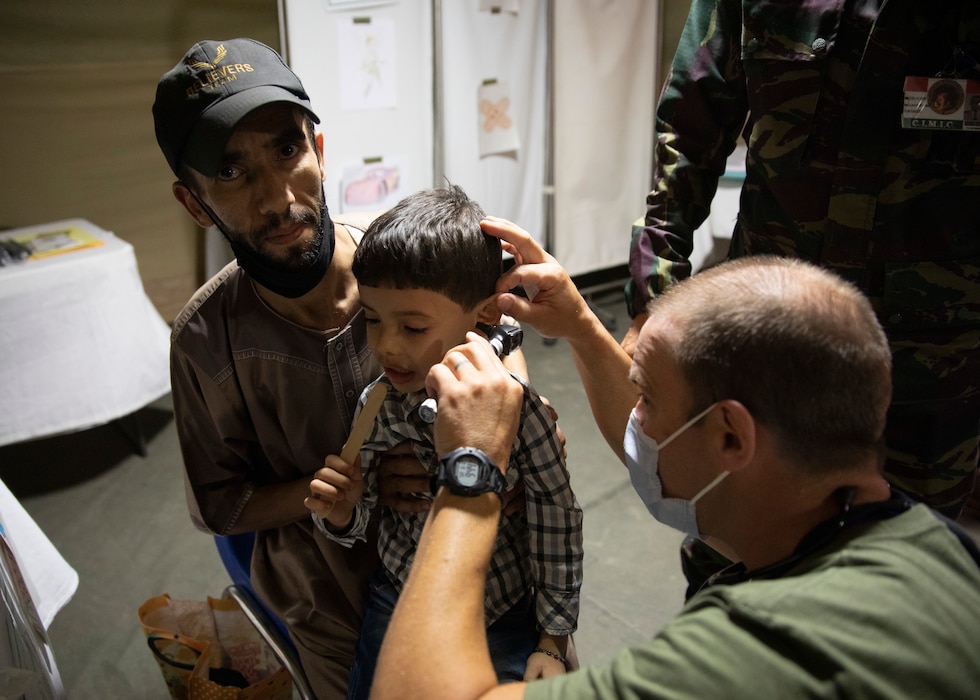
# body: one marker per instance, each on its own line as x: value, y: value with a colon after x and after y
x: 285, y: 281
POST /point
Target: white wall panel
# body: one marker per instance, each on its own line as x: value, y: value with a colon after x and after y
x: 479, y: 45
x: 604, y: 72
x: 605, y: 68
x: 351, y: 136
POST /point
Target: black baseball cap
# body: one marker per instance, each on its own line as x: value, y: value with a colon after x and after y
x: 201, y: 99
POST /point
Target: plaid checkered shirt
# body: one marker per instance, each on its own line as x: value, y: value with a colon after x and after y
x: 539, y: 548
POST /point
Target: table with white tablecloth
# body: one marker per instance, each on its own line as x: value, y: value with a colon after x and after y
x: 81, y: 344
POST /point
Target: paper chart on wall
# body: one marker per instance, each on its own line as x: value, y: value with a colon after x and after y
x: 498, y: 131
x: 512, y: 6
x: 367, y: 64
x: 373, y: 185
x: 354, y: 4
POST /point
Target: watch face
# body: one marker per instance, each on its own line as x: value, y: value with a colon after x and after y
x: 467, y: 471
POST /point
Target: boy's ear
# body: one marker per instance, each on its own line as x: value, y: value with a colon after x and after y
x: 489, y: 311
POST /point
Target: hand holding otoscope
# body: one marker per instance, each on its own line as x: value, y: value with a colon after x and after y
x: 503, y: 339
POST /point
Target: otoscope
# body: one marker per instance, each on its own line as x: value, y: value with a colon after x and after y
x: 503, y: 339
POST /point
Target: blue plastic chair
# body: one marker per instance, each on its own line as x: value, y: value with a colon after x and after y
x: 236, y: 554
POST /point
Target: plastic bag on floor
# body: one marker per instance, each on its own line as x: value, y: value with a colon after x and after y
x: 208, y: 650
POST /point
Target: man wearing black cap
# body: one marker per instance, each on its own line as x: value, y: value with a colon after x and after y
x: 269, y: 356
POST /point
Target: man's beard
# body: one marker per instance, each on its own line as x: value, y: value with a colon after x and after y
x: 304, y: 267
x: 297, y: 257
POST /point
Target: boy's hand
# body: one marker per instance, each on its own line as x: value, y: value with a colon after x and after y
x: 541, y: 665
x: 335, y: 490
x: 549, y: 658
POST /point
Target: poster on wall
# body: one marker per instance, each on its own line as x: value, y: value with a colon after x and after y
x: 374, y: 184
x: 367, y: 65
x: 498, y: 130
x: 354, y: 4
x: 512, y: 6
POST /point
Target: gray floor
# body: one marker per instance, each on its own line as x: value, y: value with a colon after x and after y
x: 121, y: 522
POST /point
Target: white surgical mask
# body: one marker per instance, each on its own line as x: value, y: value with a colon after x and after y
x: 642, y: 457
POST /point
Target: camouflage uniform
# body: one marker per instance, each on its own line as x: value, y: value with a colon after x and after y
x: 816, y: 88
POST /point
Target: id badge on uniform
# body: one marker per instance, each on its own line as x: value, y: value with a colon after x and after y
x: 941, y: 104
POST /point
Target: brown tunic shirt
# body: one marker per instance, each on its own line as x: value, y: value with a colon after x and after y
x: 259, y: 400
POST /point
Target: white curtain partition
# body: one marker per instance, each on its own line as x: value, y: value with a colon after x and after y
x: 605, y: 91
x: 510, y: 48
x: 603, y: 68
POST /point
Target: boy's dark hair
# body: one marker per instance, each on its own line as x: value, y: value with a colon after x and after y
x: 431, y: 240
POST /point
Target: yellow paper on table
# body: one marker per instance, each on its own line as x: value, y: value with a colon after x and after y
x: 60, y: 239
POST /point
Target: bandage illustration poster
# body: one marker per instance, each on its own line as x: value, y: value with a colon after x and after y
x: 498, y: 131
x: 367, y: 64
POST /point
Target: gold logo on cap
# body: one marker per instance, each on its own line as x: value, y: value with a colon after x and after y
x: 219, y: 54
x: 215, y: 75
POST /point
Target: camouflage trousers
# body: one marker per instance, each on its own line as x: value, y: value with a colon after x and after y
x: 933, y: 430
